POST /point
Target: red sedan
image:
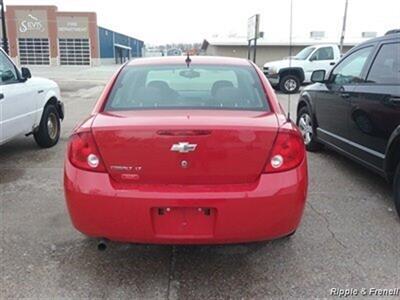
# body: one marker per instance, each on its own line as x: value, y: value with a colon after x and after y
x: 186, y: 151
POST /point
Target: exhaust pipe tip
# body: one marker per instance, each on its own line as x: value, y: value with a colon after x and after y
x: 102, y: 245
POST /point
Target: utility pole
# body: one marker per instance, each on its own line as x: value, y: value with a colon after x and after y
x: 248, y: 50
x: 344, y: 27
x: 3, y: 26
x: 253, y: 33
x: 255, y: 50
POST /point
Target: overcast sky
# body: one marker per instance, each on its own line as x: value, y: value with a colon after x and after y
x: 163, y: 21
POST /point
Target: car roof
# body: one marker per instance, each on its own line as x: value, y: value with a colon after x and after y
x: 387, y: 37
x: 324, y: 45
x: 202, y: 60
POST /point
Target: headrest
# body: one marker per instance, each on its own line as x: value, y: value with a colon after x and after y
x: 158, y: 84
x: 220, y: 84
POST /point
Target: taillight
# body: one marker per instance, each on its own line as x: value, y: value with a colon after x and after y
x: 83, y: 152
x: 287, y: 152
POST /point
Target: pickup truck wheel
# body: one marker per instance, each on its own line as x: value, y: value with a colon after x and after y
x: 306, y: 126
x: 49, y: 128
x: 396, y: 189
x: 289, y: 84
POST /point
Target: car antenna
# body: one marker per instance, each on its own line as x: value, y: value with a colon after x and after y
x: 188, y: 60
x: 290, y: 52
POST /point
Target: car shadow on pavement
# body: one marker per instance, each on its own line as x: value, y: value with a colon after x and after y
x: 10, y: 157
x: 152, y: 271
x: 231, y: 271
x: 24, y: 153
x: 16, y: 147
x: 352, y: 173
x: 140, y: 271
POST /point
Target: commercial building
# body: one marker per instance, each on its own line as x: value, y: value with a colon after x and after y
x: 42, y: 35
x: 118, y: 48
x: 267, y: 49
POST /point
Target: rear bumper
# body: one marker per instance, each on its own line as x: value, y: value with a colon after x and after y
x: 268, y: 209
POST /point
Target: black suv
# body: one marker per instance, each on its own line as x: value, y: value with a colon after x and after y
x: 355, y: 108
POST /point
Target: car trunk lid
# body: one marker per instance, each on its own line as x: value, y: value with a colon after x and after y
x: 185, y: 147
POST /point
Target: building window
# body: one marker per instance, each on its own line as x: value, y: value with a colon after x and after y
x: 34, y: 51
x: 74, y: 51
x: 2, y: 42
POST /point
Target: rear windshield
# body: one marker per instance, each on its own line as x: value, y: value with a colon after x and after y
x: 182, y: 87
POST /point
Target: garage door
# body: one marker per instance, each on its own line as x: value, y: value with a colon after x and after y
x: 34, y: 51
x: 2, y: 43
x: 74, y: 51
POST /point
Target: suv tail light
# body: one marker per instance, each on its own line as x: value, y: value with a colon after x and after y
x: 287, y: 152
x: 83, y: 152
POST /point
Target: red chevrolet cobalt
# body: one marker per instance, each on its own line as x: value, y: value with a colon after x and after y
x: 186, y: 151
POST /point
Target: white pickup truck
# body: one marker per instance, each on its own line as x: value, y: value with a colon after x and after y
x: 289, y: 74
x: 28, y: 105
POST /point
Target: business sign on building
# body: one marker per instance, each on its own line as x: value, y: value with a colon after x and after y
x: 73, y: 40
x: 253, y: 24
x: 32, y: 23
x: 73, y: 27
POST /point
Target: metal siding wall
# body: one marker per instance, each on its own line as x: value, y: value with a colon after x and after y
x: 106, y: 43
x: 264, y: 53
x: 136, y: 46
x: 132, y: 44
x: 108, y: 38
x: 121, y: 39
x: 140, y: 48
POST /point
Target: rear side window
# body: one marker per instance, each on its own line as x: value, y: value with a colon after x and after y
x: 182, y: 87
x: 386, y: 66
x: 325, y: 53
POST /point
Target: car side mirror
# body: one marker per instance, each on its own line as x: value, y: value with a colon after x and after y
x: 25, y: 73
x: 318, y: 76
x: 312, y: 58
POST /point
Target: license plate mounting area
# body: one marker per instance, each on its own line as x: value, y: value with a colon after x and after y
x: 178, y: 222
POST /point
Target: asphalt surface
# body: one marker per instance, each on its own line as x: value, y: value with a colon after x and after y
x: 349, y: 236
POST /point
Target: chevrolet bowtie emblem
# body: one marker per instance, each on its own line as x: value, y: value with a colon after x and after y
x: 183, y: 147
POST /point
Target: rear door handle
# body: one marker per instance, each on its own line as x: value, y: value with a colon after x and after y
x: 394, y: 100
x: 1, y: 96
x: 345, y: 95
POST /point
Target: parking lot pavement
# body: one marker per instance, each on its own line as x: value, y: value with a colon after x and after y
x: 349, y: 237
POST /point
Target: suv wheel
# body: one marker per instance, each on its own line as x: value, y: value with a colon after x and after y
x: 289, y: 84
x: 306, y: 126
x: 49, y: 128
x: 396, y: 189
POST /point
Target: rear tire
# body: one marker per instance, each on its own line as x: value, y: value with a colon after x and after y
x: 396, y: 189
x: 289, y: 84
x: 306, y: 125
x: 49, y: 129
